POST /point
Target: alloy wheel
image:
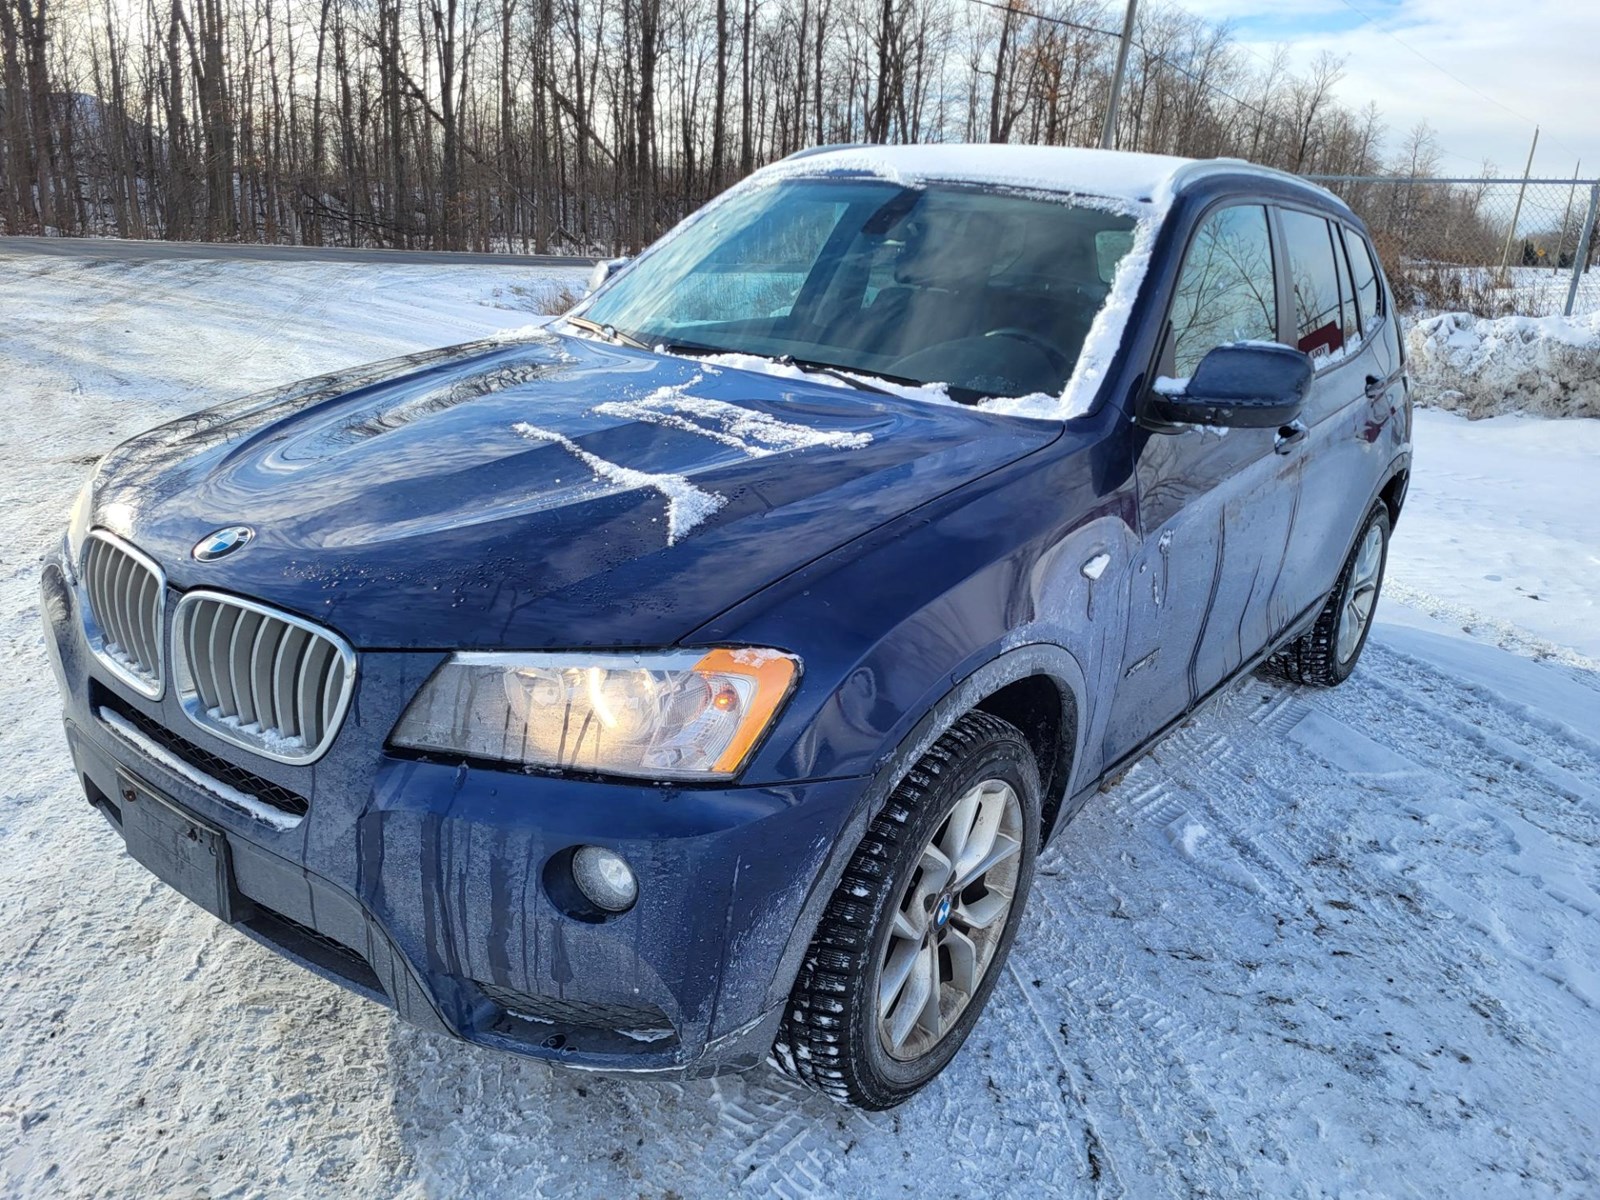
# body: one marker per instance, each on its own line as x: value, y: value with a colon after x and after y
x: 950, y: 920
x: 1362, y: 593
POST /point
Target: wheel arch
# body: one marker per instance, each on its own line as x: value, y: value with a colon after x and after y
x: 1393, y: 492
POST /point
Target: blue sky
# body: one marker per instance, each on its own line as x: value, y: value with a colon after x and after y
x: 1516, y: 62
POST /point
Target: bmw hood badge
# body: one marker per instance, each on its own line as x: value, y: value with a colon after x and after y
x: 220, y: 543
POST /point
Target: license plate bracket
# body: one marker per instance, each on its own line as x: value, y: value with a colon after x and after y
x: 178, y: 848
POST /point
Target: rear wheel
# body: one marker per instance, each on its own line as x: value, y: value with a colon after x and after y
x: 913, y: 940
x: 1328, y: 653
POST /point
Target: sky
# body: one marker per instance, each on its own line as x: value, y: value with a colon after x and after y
x: 1521, y: 62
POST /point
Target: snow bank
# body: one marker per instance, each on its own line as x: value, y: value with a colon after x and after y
x: 1482, y: 367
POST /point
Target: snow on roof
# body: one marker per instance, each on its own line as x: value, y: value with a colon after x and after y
x: 1144, y: 179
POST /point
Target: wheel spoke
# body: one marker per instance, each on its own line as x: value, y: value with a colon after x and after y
x: 982, y: 913
x: 958, y: 829
x: 935, y: 869
x: 931, y: 1018
x: 1367, y: 561
x: 985, y: 828
x: 904, y: 1015
x: 902, y: 958
x: 1000, y: 849
x: 963, y: 963
x: 904, y: 927
x: 1362, y: 603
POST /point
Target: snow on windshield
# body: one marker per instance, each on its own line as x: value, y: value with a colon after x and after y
x: 909, y: 352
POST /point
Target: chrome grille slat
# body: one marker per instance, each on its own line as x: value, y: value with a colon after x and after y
x: 125, y: 611
x: 239, y: 646
x: 308, y: 689
x: 198, y: 637
x: 124, y: 607
x: 147, y: 638
x: 262, y: 655
x: 260, y: 678
x: 333, y: 685
x: 284, y: 673
x: 116, y: 567
x: 218, y: 640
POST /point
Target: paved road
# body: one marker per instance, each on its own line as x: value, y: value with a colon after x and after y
x: 114, y: 248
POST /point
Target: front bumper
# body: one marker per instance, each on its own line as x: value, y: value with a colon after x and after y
x: 420, y: 884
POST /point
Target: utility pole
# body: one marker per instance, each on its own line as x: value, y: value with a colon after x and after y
x: 1108, y: 135
x: 1516, y: 213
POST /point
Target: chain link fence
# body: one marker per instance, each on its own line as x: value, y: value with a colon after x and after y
x: 1490, y: 247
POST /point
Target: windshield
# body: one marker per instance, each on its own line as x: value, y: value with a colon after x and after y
x: 989, y: 293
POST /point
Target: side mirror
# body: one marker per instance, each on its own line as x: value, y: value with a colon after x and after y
x: 1251, y: 385
x: 602, y: 271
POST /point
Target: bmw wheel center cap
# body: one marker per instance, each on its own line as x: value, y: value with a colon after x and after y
x: 222, y: 542
x: 942, y: 914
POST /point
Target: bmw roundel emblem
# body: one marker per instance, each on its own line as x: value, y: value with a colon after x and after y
x: 220, y: 543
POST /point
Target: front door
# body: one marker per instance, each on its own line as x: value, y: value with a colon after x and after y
x: 1342, y: 320
x: 1215, y: 505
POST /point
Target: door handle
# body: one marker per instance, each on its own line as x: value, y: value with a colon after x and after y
x: 1289, y: 436
x: 1376, y: 387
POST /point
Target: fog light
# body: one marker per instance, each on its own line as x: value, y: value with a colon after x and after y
x: 604, y: 878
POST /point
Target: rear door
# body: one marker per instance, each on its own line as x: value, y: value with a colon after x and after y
x: 1341, y: 320
x: 1214, y: 504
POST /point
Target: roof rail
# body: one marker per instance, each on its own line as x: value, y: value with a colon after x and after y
x: 1200, y: 168
x: 827, y: 149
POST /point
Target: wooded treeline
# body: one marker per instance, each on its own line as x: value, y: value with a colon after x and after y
x: 583, y: 125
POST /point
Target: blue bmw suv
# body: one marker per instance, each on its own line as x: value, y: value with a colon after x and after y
x: 695, y: 680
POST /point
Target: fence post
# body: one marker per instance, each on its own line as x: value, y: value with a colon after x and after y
x: 1516, y: 213
x: 1581, y: 262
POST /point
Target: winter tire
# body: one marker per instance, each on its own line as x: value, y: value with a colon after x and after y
x: 916, y: 934
x: 1329, y: 652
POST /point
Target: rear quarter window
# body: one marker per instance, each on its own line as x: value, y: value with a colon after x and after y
x: 1369, y: 293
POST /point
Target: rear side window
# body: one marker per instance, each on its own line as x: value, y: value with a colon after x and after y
x: 1366, y: 275
x: 1226, y: 290
x: 1349, y: 322
x: 1314, y: 272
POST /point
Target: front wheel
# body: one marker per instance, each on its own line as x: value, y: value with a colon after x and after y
x: 1326, y: 655
x: 913, y: 940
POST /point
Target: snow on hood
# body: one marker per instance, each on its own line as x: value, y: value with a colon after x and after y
x: 555, y: 492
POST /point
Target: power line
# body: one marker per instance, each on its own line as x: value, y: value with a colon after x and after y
x: 1482, y: 95
x: 1159, y: 57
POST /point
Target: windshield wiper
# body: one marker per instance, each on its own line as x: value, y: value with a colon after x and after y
x: 812, y: 367
x: 809, y: 365
x: 610, y: 332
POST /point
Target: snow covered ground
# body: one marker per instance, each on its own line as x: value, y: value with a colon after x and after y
x: 1318, y: 943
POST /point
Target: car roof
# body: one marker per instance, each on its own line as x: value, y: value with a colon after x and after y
x: 1142, y: 179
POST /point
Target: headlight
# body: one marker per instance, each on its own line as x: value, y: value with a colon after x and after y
x: 691, y: 714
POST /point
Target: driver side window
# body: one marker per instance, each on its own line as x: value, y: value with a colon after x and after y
x: 1227, y: 291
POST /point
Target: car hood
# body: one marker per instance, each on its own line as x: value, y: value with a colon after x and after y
x: 549, y: 492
